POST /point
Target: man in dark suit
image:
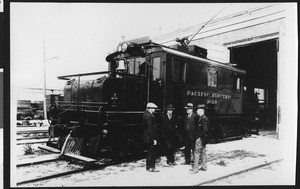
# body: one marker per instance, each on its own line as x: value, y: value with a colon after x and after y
x: 168, y: 133
x: 202, y: 137
x: 189, y: 132
x: 150, y: 137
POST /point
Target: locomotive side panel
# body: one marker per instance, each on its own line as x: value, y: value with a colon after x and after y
x: 214, y: 87
x: 201, y: 83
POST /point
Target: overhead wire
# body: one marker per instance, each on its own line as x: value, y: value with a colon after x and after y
x: 212, y: 21
x: 189, y: 40
x: 188, y: 28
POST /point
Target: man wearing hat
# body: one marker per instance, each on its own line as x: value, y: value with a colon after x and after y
x: 189, y: 130
x: 201, y: 131
x: 150, y: 137
x: 168, y: 133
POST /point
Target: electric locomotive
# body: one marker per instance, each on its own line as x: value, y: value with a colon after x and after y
x: 105, y: 114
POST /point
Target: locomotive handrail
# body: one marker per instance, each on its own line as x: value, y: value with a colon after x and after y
x: 67, y: 77
x: 79, y: 106
x: 127, y: 112
x: 74, y: 122
x: 131, y: 75
x: 64, y: 111
x: 65, y: 102
x: 94, y: 103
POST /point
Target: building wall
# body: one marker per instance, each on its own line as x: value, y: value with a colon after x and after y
x: 242, y: 36
x: 274, y: 22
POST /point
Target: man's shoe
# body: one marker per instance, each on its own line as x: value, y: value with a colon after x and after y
x: 202, y: 169
x: 186, y: 163
x: 153, y: 170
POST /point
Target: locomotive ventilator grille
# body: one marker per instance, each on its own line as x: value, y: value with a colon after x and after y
x: 75, y: 145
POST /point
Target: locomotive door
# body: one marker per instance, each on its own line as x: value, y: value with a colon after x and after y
x: 156, y: 84
x: 177, y: 69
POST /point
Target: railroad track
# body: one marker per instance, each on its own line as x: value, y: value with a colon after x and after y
x: 87, y: 167
x: 32, y: 135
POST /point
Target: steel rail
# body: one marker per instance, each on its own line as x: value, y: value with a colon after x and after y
x: 87, y: 168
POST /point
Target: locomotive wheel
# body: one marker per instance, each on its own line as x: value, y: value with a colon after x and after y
x: 127, y: 145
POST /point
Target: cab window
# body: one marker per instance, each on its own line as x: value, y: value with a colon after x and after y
x: 134, y: 65
x: 212, y: 77
x: 237, y: 83
x: 178, y: 69
x: 156, y: 68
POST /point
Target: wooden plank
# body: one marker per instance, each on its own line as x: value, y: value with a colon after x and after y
x: 33, y: 141
x: 82, y: 158
x: 50, y: 149
x: 46, y: 158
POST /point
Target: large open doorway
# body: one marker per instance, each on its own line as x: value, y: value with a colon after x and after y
x: 259, y: 60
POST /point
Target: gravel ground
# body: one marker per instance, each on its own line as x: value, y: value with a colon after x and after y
x: 222, y: 157
x: 273, y: 172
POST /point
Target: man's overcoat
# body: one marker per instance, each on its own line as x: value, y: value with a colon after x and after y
x: 150, y: 128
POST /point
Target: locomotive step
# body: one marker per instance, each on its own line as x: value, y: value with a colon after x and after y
x: 82, y: 158
x: 50, y: 149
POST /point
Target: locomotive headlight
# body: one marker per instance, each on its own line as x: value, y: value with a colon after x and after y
x: 124, y: 47
x: 119, y: 48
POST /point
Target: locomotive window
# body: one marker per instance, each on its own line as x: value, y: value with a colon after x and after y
x: 156, y: 68
x: 131, y: 65
x: 178, y: 71
x: 134, y: 65
x: 212, y: 77
x: 237, y: 83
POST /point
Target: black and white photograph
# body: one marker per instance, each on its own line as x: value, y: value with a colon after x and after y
x: 152, y: 94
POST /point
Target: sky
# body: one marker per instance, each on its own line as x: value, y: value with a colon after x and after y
x: 83, y: 34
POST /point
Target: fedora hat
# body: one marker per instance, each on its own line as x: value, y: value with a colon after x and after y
x: 201, y: 106
x: 169, y: 107
x: 151, y: 105
x: 189, y: 106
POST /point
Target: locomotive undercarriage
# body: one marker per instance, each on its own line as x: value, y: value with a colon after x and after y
x: 111, y: 134
x: 227, y: 127
x: 118, y: 134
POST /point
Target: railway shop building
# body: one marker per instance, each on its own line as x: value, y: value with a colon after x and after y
x: 259, y: 41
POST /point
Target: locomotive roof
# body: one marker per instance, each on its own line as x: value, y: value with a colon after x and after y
x: 207, y: 61
x: 149, y: 44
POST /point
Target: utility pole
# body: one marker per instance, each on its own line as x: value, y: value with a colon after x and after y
x: 45, y: 98
x: 45, y: 108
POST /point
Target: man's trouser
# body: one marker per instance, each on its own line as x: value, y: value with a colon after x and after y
x: 189, y: 145
x: 200, y: 154
x: 170, y: 150
x: 151, y: 156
